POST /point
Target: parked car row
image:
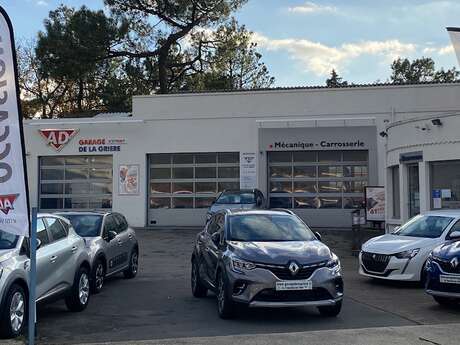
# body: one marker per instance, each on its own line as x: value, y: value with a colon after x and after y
x: 425, y: 249
x: 251, y: 256
x: 75, y: 253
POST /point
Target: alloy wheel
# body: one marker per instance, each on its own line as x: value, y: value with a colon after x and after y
x: 194, y: 276
x: 99, y: 276
x: 221, y: 294
x: 17, y: 311
x: 134, y: 263
x: 83, y: 289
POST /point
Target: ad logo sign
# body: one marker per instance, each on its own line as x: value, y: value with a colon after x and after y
x: 58, y: 138
x: 6, y: 202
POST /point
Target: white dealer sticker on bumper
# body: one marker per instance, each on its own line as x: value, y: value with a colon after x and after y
x: 294, y: 285
x: 449, y: 279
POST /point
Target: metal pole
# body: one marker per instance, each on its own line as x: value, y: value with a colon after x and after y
x: 33, y: 277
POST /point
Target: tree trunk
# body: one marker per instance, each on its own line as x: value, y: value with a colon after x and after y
x: 80, y: 95
x: 163, y: 70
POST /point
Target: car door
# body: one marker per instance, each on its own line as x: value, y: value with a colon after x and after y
x: 63, y: 252
x: 124, y: 239
x: 112, y: 250
x: 212, y: 252
x: 44, y: 265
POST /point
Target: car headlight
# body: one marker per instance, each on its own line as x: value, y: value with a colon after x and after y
x: 333, y: 262
x: 240, y: 266
x: 408, y: 254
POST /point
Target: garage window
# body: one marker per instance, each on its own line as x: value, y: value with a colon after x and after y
x: 76, y: 182
x: 317, y: 179
x: 191, y: 180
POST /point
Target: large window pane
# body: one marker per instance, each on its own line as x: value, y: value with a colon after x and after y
x: 281, y: 202
x: 52, y: 188
x: 228, y: 186
x: 446, y: 175
x: 280, y: 157
x: 182, y: 188
x: 280, y: 187
x: 50, y: 161
x: 51, y: 174
x: 182, y: 173
x: 76, y: 173
x: 281, y: 172
x: 206, y: 158
x: 78, y: 203
x: 51, y: 203
x: 206, y: 172
x: 76, y: 160
x: 77, y: 188
x: 355, y: 156
x: 182, y: 203
x: 395, y: 191
x: 160, y: 173
x: 354, y: 186
x: 183, y: 158
x: 101, y: 188
x: 305, y: 171
x: 355, y: 171
x: 206, y: 187
x: 305, y: 156
x: 160, y: 188
x: 229, y: 172
x: 330, y: 187
x: 100, y: 203
x: 160, y: 202
x: 330, y: 171
x: 329, y: 156
x: 229, y: 157
x: 305, y: 187
x: 203, y: 202
x: 161, y: 158
x: 353, y: 203
x: 330, y: 202
x: 95, y: 173
x: 306, y: 203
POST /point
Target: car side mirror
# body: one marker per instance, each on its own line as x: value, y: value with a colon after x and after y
x: 318, y: 236
x: 455, y: 235
x: 111, y: 235
x: 215, y: 237
x: 39, y: 243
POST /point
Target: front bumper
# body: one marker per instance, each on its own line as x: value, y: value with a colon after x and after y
x: 434, y: 286
x: 260, y: 291
x: 397, y: 269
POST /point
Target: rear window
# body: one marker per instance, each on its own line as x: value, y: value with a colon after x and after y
x: 7, y: 240
x: 230, y: 198
x: 86, y: 225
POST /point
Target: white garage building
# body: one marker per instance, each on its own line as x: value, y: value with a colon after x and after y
x: 314, y: 149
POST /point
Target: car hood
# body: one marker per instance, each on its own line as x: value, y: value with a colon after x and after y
x: 6, y: 254
x: 217, y: 207
x: 280, y: 253
x: 448, y: 250
x: 392, y: 244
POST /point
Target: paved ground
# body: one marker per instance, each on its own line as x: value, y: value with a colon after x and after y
x: 158, y: 303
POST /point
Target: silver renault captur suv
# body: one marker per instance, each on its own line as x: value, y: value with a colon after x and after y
x: 112, y: 245
x: 265, y: 258
x: 63, y: 269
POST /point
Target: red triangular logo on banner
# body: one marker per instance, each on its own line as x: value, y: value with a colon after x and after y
x: 7, y: 202
x: 58, y: 138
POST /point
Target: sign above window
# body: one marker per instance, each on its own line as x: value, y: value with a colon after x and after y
x: 58, y: 138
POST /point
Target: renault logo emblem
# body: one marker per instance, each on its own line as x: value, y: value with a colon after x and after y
x: 294, y: 268
x: 454, y: 262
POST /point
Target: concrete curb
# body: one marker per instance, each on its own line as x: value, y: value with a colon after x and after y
x: 445, y: 334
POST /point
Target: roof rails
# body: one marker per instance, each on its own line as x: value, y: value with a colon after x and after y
x: 283, y: 210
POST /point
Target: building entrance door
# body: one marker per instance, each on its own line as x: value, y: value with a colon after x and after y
x: 414, y: 189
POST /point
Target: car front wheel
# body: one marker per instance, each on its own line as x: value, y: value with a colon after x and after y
x: 198, y: 289
x: 331, y: 311
x: 78, y: 298
x: 225, y: 306
x: 98, y: 277
x: 14, y: 314
x: 133, y: 267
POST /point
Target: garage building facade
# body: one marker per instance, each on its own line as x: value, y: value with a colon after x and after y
x: 312, y: 150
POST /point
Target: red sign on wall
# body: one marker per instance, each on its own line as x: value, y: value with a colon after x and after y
x: 58, y: 138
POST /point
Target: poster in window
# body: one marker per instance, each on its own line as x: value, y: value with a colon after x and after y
x: 375, y: 204
x: 128, y: 179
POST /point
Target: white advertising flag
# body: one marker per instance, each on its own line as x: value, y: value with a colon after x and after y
x: 14, y: 210
x: 455, y: 38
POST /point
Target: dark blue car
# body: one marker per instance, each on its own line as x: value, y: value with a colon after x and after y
x: 443, y: 272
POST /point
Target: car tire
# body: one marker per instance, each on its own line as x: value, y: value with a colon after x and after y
x: 98, y: 277
x: 444, y: 301
x: 225, y: 306
x: 331, y: 311
x: 79, y: 295
x: 133, y: 267
x: 12, y: 326
x: 198, y: 289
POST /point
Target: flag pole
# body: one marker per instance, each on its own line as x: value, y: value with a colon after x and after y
x: 33, y: 278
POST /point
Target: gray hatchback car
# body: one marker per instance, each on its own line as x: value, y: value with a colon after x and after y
x: 264, y: 258
x: 63, y: 269
x: 112, y: 245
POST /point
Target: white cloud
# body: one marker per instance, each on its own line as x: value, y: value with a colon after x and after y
x: 42, y: 3
x: 311, y: 7
x: 320, y: 59
x: 449, y: 49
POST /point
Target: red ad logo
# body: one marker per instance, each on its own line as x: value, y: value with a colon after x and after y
x: 58, y: 138
x: 7, y: 201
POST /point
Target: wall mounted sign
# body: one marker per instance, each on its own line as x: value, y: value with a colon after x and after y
x: 101, y: 145
x: 375, y: 204
x: 58, y: 138
x: 248, y: 170
x: 323, y: 144
x: 128, y: 179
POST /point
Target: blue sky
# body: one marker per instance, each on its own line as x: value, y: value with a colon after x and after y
x: 301, y: 41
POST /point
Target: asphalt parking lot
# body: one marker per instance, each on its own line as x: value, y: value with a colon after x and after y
x: 158, y: 303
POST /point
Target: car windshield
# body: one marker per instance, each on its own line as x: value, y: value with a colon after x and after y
x: 236, y: 198
x: 268, y: 228
x: 424, y: 226
x: 7, y: 240
x: 86, y: 225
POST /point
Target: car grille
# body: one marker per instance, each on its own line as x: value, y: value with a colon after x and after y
x: 375, y: 262
x: 283, y: 272
x: 446, y: 266
x: 434, y: 284
x: 271, y: 295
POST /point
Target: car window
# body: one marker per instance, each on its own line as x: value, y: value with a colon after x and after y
x: 7, y: 240
x: 56, y: 229
x: 86, y: 225
x: 42, y: 234
x: 110, y: 225
x: 426, y: 226
x: 455, y: 227
x: 121, y: 222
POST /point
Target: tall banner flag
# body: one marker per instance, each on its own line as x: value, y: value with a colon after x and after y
x: 454, y: 34
x: 14, y: 205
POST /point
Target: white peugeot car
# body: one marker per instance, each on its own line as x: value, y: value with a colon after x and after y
x: 402, y: 254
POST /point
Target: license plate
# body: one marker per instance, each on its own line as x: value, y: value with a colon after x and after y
x: 294, y: 285
x: 449, y: 280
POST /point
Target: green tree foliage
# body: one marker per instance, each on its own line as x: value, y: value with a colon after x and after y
x: 335, y: 80
x: 420, y: 70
